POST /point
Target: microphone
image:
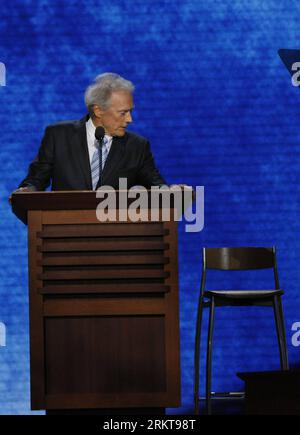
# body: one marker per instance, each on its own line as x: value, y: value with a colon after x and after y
x: 99, y: 134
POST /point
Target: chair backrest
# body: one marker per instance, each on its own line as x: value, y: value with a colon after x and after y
x: 240, y: 258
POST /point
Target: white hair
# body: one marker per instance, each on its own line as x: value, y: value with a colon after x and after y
x: 99, y: 92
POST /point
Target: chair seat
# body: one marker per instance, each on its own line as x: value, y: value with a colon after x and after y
x: 243, y: 294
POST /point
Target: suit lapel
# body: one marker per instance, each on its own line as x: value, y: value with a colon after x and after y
x: 114, y: 158
x: 81, y: 153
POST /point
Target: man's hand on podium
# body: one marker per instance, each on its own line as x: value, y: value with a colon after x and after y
x: 23, y: 189
x: 186, y: 187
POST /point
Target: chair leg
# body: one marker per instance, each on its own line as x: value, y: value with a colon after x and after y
x: 284, y: 342
x: 279, y: 319
x: 209, y: 355
x: 197, y: 355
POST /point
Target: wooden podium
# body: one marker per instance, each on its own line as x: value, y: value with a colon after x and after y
x: 104, y: 321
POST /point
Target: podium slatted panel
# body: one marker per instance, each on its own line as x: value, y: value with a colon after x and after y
x: 108, y: 258
x: 107, y: 230
x: 86, y: 244
x: 104, y: 329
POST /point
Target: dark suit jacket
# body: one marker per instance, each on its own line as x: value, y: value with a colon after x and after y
x: 63, y: 159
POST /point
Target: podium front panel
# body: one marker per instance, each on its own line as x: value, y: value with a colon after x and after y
x: 104, y: 321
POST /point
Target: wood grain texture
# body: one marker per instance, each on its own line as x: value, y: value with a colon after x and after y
x: 104, y: 312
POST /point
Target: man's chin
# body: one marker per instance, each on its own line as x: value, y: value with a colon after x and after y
x: 120, y: 132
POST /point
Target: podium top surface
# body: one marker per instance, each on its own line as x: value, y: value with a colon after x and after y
x: 56, y: 200
x: 22, y: 202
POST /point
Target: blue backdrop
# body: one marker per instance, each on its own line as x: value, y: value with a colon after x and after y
x: 218, y: 105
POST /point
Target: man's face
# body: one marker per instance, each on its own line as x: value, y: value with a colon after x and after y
x: 116, y: 118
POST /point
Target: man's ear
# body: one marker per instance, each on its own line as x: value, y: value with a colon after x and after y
x: 98, y: 112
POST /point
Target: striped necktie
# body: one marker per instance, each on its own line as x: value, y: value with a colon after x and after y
x: 104, y: 150
x: 98, y: 161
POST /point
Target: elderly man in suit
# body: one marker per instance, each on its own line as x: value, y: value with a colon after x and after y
x: 69, y: 154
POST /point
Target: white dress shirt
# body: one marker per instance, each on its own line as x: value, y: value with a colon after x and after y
x: 92, y: 141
